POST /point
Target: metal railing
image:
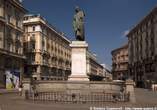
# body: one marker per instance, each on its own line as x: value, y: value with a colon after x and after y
x: 54, y: 78
x: 69, y: 97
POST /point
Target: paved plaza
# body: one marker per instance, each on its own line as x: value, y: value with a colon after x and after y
x: 146, y: 97
x: 12, y: 101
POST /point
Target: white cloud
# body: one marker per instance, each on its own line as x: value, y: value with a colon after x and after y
x: 106, y: 66
x: 126, y: 32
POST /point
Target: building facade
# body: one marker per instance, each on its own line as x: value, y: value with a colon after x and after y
x: 120, y: 63
x: 143, y: 50
x: 107, y: 73
x: 95, y: 70
x: 11, y: 42
x: 47, y: 50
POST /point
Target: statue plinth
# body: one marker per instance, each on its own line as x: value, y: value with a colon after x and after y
x: 79, y: 61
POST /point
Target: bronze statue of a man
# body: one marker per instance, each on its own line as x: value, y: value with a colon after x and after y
x: 78, y: 24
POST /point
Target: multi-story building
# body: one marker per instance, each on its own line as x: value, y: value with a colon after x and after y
x: 143, y: 50
x: 107, y: 73
x: 95, y: 70
x: 108, y: 76
x: 11, y: 42
x: 47, y: 50
x: 120, y: 62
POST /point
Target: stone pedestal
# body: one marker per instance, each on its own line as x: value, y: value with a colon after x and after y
x: 79, y: 61
x: 130, y: 88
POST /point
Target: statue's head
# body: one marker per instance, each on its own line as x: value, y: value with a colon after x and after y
x: 77, y: 9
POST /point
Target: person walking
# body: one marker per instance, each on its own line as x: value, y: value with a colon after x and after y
x: 20, y: 90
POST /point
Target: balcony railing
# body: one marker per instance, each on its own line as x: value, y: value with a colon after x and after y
x: 54, y: 78
x: 2, y: 18
x: 33, y: 62
x: 45, y: 63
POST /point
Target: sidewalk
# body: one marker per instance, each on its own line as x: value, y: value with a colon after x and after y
x: 7, y: 91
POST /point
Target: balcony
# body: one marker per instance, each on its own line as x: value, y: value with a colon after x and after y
x: 45, y: 53
x: 120, y: 69
x: 45, y: 63
x: 18, y: 42
x: 9, y: 39
x: 33, y: 62
x: 68, y: 68
x: 55, y: 78
x: 53, y: 65
x: 32, y: 50
x: 2, y: 19
x: 10, y: 53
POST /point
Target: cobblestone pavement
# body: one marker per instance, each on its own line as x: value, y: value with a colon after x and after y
x: 14, y: 102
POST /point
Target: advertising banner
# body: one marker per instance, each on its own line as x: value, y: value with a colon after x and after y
x: 12, y: 79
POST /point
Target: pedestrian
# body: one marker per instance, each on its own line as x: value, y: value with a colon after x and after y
x: 20, y: 90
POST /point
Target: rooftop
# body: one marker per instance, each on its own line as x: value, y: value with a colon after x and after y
x: 145, y: 18
x: 18, y: 3
x: 35, y: 18
x: 118, y: 49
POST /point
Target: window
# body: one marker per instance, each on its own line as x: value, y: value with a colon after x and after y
x: 43, y: 44
x: 32, y: 57
x: 32, y: 44
x: 8, y: 18
x: 45, y: 59
x: 26, y: 29
x: 33, y: 36
x: 34, y: 69
x: 18, y: 20
x: 1, y: 8
x: 52, y: 47
x: 33, y: 28
x: 17, y: 49
x: 17, y: 36
x: 9, y: 47
x: 1, y: 33
x: 32, y: 41
x: 152, y: 47
x: 48, y: 46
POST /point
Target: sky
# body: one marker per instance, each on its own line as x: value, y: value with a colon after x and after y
x: 106, y: 22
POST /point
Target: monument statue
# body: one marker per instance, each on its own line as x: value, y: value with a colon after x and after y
x: 78, y: 24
